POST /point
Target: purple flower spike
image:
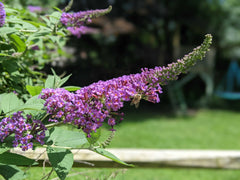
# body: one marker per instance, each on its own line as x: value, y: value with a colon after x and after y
x: 2, y: 15
x: 77, y: 19
x: 88, y: 107
x: 75, y: 22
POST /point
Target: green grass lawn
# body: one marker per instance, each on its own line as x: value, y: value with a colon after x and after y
x: 205, y: 129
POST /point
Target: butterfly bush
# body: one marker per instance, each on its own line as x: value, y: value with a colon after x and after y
x: 2, y: 15
x: 75, y: 22
x: 90, y: 106
x: 25, y: 130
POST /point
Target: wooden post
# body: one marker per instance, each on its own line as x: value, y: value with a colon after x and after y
x: 149, y: 158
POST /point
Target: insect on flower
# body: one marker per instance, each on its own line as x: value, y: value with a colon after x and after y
x: 136, y: 100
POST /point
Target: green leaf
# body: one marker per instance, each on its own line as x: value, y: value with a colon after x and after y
x: 9, y: 102
x: 94, y: 136
x: 16, y: 159
x: 25, y: 24
x: 34, y: 23
x: 57, y: 79
x: 10, y: 10
x: 11, y: 172
x: 62, y: 81
x: 59, y: 10
x: 55, y: 40
x: 61, y: 160
x: 47, y: 21
x: 1, y: 54
x: 41, y: 33
x: 36, y: 42
x: 19, y: 44
x: 7, y: 30
x: 109, y: 155
x: 73, y: 139
x: 34, y: 90
x: 58, y: 82
x: 50, y: 82
x: 4, y: 149
x: 55, y: 17
x: 11, y: 66
x: 34, y: 105
x: 35, y: 100
x: 72, y: 88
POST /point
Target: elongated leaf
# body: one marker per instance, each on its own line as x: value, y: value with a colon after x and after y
x: 10, y: 10
x: 57, y: 79
x: 36, y: 42
x: 28, y: 108
x: 7, y: 30
x: 41, y: 33
x: 35, y: 23
x: 55, y: 17
x: 109, y: 155
x: 72, y: 88
x: 11, y: 172
x: 25, y: 24
x: 34, y: 105
x: 62, y: 81
x: 9, y: 102
x: 1, y: 54
x: 61, y: 160
x: 59, y: 10
x: 72, y: 139
x: 18, y: 42
x: 34, y: 90
x: 35, y: 100
x: 50, y: 82
x: 47, y: 21
x: 16, y: 159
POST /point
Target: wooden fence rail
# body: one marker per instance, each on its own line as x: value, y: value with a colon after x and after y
x: 149, y: 158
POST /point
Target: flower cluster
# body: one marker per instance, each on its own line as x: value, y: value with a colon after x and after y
x: 2, y: 15
x: 90, y: 106
x: 25, y: 132
x: 75, y: 22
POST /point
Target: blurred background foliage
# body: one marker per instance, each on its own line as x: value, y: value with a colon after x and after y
x: 28, y: 41
x: 24, y: 3
x: 147, y: 33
